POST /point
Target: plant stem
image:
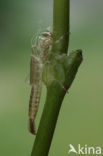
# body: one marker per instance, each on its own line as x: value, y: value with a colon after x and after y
x: 61, y: 15
x: 55, y: 93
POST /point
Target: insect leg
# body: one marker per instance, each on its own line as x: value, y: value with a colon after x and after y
x: 54, y: 73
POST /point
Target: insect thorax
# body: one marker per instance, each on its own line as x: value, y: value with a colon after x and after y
x: 43, y: 45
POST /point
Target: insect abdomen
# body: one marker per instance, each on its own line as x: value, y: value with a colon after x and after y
x: 35, y: 70
x: 33, y: 106
x: 36, y: 83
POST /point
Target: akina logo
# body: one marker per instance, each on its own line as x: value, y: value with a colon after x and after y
x: 85, y: 149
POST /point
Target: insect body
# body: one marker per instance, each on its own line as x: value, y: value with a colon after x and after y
x: 38, y: 59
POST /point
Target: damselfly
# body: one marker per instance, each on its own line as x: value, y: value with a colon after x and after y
x: 39, y: 57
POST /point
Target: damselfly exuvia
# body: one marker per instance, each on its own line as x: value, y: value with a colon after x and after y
x: 39, y: 57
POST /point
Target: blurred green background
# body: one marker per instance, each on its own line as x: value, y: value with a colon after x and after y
x: 81, y: 117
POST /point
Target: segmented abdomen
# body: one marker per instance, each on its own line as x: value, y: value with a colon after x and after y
x: 36, y: 83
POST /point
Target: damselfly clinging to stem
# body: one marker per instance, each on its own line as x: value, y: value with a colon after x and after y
x: 39, y: 58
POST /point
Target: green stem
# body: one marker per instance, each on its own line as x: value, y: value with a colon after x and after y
x: 61, y: 14
x: 55, y: 93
